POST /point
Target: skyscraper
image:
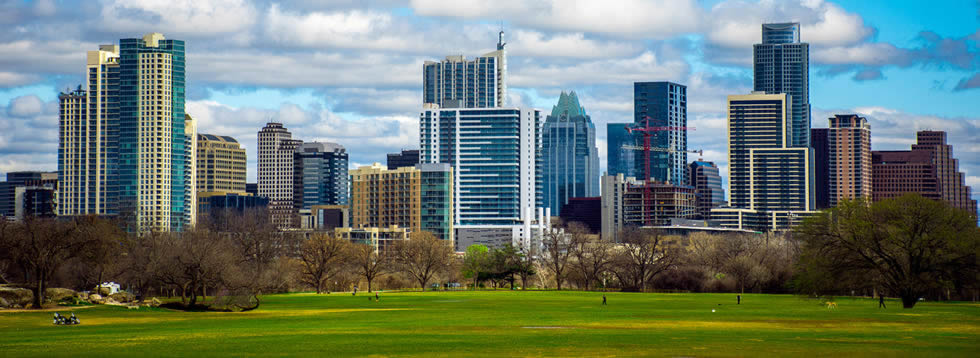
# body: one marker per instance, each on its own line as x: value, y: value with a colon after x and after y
x: 276, y: 149
x: 123, y: 144
x: 221, y: 164
x: 706, y: 180
x: 769, y: 181
x: 849, y: 140
x: 570, y: 159
x: 20, y: 181
x: 665, y: 104
x: 782, y: 65
x: 321, y: 175
x: 460, y: 83
x: 928, y: 169
x: 620, y: 160
x: 495, y: 153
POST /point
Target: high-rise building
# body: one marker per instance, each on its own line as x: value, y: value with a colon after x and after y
x: 820, y: 142
x: 460, y: 83
x: 928, y: 169
x: 495, y: 153
x: 706, y: 180
x: 123, y: 143
x: 768, y: 177
x: 621, y: 160
x: 407, y: 158
x: 321, y: 175
x: 419, y: 198
x: 276, y: 150
x: 221, y: 164
x: 570, y: 159
x: 627, y: 202
x: 849, y: 140
x: 23, y: 181
x: 664, y: 105
x: 782, y: 65
x: 583, y: 210
x: 88, y: 138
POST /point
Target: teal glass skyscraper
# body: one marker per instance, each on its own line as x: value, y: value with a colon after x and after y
x: 570, y: 159
x: 782, y: 65
x: 125, y: 143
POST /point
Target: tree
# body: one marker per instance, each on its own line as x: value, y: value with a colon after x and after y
x: 106, y: 246
x: 367, y: 262
x: 258, y: 244
x: 558, y: 249
x: 908, y: 245
x: 476, y: 262
x: 423, y: 256
x: 643, y: 255
x: 592, y: 256
x: 321, y: 256
x: 40, y: 246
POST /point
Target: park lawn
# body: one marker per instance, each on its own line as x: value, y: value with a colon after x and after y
x: 533, y: 323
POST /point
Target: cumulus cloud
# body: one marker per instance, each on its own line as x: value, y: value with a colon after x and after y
x: 737, y: 23
x: 632, y: 18
x: 185, y: 17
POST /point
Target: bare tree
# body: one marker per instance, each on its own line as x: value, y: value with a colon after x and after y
x: 423, y: 256
x: 258, y: 244
x: 558, y: 249
x: 41, y: 246
x: 591, y: 257
x: 643, y: 255
x: 322, y: 257
x: 368, y: 263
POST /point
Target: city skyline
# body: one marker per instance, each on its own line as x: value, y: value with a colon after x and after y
x: 373, y: 116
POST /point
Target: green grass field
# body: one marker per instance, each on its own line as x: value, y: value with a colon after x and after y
x: 509, y: 324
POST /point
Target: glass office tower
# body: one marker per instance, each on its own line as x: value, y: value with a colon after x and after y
x: 570, y: 159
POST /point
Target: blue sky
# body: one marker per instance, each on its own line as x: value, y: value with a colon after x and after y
x: 349, y: 71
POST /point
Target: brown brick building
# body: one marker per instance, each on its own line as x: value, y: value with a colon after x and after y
x: 928, y: 169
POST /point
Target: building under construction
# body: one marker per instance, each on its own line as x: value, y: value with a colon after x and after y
x: 628, y: 202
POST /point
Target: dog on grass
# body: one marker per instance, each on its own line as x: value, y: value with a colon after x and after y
x: 831, y: 305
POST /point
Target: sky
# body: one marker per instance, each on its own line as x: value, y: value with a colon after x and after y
x: 349, y: 71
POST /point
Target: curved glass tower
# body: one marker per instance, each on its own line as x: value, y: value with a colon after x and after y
x: 570, y: 157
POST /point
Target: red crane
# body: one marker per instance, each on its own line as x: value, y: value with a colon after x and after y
x: 647, y: 131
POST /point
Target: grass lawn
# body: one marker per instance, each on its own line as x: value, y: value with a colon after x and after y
x: 509, y: 323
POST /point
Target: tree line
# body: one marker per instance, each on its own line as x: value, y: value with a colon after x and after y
x: 909, y: 247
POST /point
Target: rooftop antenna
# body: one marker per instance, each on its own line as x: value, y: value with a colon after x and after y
x: 500, y: 37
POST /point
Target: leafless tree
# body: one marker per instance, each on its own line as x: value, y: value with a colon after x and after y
x: 642, y: 255
x: 40, y: 246
x: 423, y: 256
x: 368, y: 263
x: 322, y: 257
x: 591, y: 256
x: 558, y: 249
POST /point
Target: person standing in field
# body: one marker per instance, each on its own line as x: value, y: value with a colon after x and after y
x: 376, y: 298
x: 881, y: 301
x: 739, y: 298
x: 603, y: 300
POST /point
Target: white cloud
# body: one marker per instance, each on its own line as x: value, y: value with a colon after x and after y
x: 737, y: 23
x: 186, y: 17
x: 645, y: 66
x: 11, y: 79
x: 875, y: 54
x: 25, y: 106
x: 631, y: 18
x: 536, y: 44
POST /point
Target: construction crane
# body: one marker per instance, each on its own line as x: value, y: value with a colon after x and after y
x: 647, y: 131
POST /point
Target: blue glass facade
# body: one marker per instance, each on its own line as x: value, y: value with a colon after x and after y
x: 495, y: 154
x: 620, y: 160
x: 665, y: 103
x: 782, y: 65
x: 320, y: 175
x: 570, y: 160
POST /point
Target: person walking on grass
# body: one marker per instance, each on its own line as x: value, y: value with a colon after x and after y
x: 881, y: 302
x: 376, y: 298
x: 603, y: 300
x: 739, y: 298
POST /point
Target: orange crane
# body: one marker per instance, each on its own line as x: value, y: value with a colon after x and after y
x: 647, y: 131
